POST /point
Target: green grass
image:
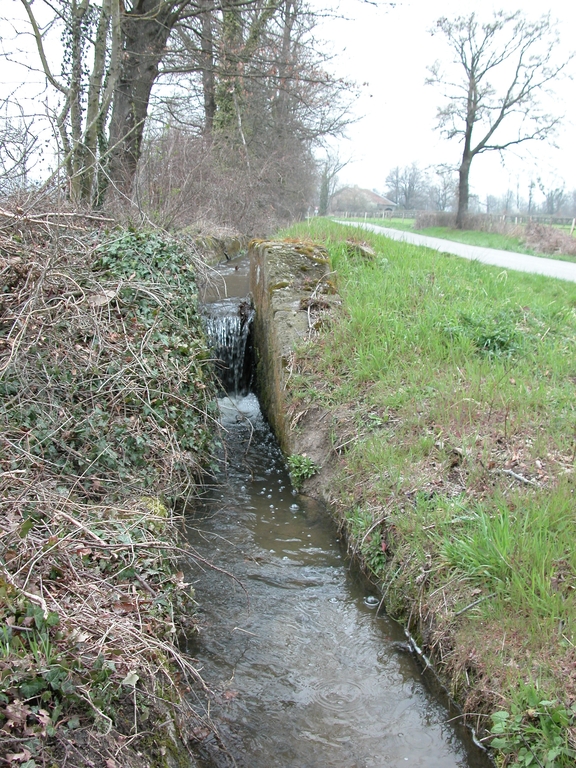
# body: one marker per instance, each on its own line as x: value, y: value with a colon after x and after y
x: 407, y: 225
x: 516, y: 548
x: 482, y: 239
x: 469, y: 237
x: 459, y: 489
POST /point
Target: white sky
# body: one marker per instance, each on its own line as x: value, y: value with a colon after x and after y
x: 386, y: 48
x: 389, y: 48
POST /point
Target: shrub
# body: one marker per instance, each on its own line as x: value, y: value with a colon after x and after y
x: 301, y: 468
x: 549, y: 239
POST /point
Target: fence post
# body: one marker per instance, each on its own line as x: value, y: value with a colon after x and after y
x: 572, y: 227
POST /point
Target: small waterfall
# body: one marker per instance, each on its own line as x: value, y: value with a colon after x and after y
x: 228, y: 327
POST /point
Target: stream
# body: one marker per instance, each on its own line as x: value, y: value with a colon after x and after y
x: 306, y: 672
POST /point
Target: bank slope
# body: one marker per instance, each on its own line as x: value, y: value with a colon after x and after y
x: 446, y: 393
x: 106, y: 418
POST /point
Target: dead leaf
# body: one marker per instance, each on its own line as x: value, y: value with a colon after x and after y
x: 100, y: 299
x: 16, y: 714
x: 131, y: 679
x: 78, y: 636
x: 124, y: 606
x: 82, y: 551
x: 229, y: 695
x: 200, y: 733
x: 44, y: 719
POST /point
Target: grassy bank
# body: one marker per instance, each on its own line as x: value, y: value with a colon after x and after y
x: 515, y: 243
x: 105, y: 417
x: 450, y: 387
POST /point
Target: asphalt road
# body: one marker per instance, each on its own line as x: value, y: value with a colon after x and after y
x: 563, y: 270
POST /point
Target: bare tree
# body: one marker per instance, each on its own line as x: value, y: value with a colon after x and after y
x: 442, y: 189
x: 224, y: 62
x: 260, y: 113
x: 393, y: 182
x: 331, y: 167
x: 492, y: 204
x: 571, y: 203
x: 255, y: 90
x: 407, y: 186
x: 146, y: 27
x: 109, y: 61
x: 513, y: 51
x: 554, y: 198
x: 86, y: 88
x: 18, y: 146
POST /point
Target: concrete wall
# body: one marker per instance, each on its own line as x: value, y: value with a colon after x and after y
x: 294, y: 296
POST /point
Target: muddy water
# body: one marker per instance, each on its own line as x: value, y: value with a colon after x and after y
x: 307, y: 675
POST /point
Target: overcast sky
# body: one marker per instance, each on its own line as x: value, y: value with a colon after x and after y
x: 389, y: 48
x: 386, y: 48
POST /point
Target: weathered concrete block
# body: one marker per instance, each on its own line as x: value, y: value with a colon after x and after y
x: 282, y: 276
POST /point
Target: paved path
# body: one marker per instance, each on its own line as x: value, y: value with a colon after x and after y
x: 564, y: 270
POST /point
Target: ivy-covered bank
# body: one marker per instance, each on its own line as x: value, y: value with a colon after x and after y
x: 106, y: 417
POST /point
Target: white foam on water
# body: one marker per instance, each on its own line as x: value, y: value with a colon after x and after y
x: 235, y: 409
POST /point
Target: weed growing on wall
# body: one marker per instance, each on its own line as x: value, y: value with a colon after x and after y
x: 301, y: 467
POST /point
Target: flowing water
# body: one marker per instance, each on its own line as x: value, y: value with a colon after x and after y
x: 307, y: 674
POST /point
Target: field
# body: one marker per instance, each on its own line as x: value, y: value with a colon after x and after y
x: 451, y: 388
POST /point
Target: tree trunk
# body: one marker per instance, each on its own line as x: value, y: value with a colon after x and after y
x: 463, y: 190
x: 285, y: 61
x: 208, y: 64
x: 324, y: 193
x: 96, y: 109
x: 145, y: 30
x: 231, y: 45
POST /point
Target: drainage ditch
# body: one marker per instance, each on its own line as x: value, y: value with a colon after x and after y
x: 307, y: 673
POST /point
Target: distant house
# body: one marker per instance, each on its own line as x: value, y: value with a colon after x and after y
x: 356, y: 200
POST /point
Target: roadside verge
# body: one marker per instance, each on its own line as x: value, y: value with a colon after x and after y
x: 437, y: 402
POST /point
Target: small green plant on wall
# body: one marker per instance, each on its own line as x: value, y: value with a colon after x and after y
x: 301, y: 467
